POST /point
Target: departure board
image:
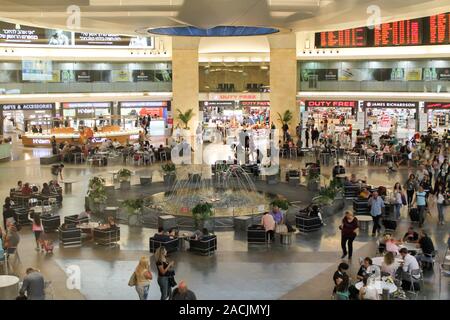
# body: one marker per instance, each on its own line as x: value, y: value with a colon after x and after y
x: 439, y: 29
x: 349, y: 38
x: 398, y: 33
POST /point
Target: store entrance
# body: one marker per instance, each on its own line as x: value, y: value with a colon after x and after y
x: 401, y: 122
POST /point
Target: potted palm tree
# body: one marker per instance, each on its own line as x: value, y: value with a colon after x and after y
x: 134, y: 208
x: 185, y: 117
x: 329, y: 199
x: 285, y: 118
x: 169, y: 173
x: 202, y: 214
x: 96, y: 195
x: 124, y: 177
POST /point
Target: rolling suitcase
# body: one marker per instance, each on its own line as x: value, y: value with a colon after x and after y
x: 414, y: 215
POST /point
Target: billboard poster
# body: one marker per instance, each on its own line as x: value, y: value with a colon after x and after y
x: 443, y: 74
x: 11, y: 33
x: 83, y: 76
x: 352, y: 75
x: 142, y: 75
x: 320, y: 74
x: 109, y: 39
x: 67, y: 76
x: 37, y: 70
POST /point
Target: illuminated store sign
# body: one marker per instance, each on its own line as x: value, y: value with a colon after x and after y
x: 134, y: 137
x: 74, y: 105
x: 437, y: 105
x: 143, y: 104
x: 330, y: 104
x: 98, y: 140
x: 41, y: 141
x: 254, y: 103
x: 390, y: 104
x: 218, y: 104
x: 28, y: 106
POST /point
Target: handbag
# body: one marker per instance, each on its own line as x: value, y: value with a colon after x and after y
x: 172, y: 282
x: 133, y: 280
x: 404, y: 200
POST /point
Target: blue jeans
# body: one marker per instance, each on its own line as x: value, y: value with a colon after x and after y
x: 142, y: 291
x: 397, y: 208
x: 163, y: 283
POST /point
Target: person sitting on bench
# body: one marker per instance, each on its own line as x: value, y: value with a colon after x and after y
x: 161, y: 236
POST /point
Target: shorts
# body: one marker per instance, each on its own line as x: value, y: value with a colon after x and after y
x: 37, y: 235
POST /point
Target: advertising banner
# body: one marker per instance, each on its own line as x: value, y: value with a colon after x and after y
x: 321, y: 74
x: 143, y: 75
x: 28, y: 106
x: 121, y: 76
x: 391, y: 104
x: 19, y: 34
x: 108, y: 39
x: 37, y: 70
x: 414, y: 74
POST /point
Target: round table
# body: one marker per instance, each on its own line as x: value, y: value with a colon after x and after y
x: 88, y: 225
x: 409, y: 246
x: 9, y: 287
x: 364, y: 221
x: 379, y: 285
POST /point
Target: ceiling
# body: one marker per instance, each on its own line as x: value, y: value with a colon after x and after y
x: 136, y: 16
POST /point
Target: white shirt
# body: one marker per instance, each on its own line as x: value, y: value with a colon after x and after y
x: 410, y: 263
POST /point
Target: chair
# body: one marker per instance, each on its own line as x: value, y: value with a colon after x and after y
x: 428, y: 260
x: 415, y: 277
x: 256, y: 234
x: 107, y: 237
x: 205, y: 246
x: 70, y: 237
x: 73, y: 219
x: 50, y: 222
x: 171, y: 245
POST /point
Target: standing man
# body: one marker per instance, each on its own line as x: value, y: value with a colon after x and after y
x: 57, y: 171
x: 307, y: 137
x: 376, y: 204
x: 421, y: 202
x: 33, y: 285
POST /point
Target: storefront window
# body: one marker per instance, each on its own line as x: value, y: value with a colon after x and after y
x: 384, y: 75
x: 46, y: 76
x: 234, y: 77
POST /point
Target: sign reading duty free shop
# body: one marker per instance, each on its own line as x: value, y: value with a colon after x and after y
x: 391, y: 104
x: 330, y: 104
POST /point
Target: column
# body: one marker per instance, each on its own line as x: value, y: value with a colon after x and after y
x: 185, y: 87
x: 283, y: 79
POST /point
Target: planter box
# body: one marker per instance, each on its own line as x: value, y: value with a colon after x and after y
x: 272, y: 179
x: 145, y: 180
x: 169, y: 179
x: 195, y: 177
x: 313, y: 185
x: 242, y: 223
x: 167, y: 222
x: 256, y: 234
x: 125, y: 185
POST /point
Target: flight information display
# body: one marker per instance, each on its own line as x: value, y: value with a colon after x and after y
x: 348, y: 38
x: 432, y: 30
x: 439, y: 29
x: 398, y: 33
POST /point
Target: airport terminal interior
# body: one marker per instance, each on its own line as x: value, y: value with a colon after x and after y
x: 225, y: 150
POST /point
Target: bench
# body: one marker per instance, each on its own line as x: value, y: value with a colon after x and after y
x: 205, y: 246
x: 256, y: 234
x: 171, y: 245
x: 70, y: 237
x: 54, y: 158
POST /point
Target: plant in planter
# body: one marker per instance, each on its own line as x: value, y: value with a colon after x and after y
x: 285, y: 118
x: 327, y: 199
x: 96, y: 194
x: 202, y: 214
x: 169, y: 173
x: 124, y: 177
x: 185, y: 117
x: 134, y: 209
x: 313, y: 180
x: 283, y: 204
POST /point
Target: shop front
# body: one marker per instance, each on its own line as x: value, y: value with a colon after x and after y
x: 330, y: 115
x: 27, y: 116
x: 85, y: 114
x: 219, y: 113
x: 398, y: 116
x: 256, y: 113
x: 438, y: 115
x: 158, y: 111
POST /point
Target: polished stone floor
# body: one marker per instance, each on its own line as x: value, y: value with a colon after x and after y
x: 237, y: 271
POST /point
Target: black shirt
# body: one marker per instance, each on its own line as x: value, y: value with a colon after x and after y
x: 164, y: 265
x: 362, y: 272
x: 411, y: 237
x: 426, y: 244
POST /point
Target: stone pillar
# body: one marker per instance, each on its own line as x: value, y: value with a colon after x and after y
x: 185, y: 82
x: 283, y: 79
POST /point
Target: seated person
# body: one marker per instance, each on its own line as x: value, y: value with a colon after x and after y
x: 426, y: 244
x: 277, y: 215
x: 161, y: 235
x: 173, y: 233
x: 353, y: 178
x: 202, y: 235
x: 46, y: 189
x: 26, y: 190
x: 19, y: 186
x: 111, y: 224
x: 365, y: 194
x: 85, y: 214
x: 367, y: 269
x: 268, y: 222
x: 368, y: 293
x: 411, y: 235
x: 388, y: 266
x: 391, y: 244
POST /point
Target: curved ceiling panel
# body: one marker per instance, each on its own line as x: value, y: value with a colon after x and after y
x: 220, y: 31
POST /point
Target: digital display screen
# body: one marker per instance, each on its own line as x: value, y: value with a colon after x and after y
x: 432, y: 30
x: 399, y: 33
x: 348, y: 38
x: 439, y: 29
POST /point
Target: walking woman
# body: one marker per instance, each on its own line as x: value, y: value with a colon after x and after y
x: 37, y: 229
x: 411, y: 187
x: 165, y: 272
x: 399, y: 196
x: 349, y: 230
x: 143, y: 278
x: 440, y: 203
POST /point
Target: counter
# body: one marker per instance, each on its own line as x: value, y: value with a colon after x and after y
x: 43, y: 140
x: 5, y: 152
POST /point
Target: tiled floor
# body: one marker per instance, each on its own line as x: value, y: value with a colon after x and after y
x: 237, y: 271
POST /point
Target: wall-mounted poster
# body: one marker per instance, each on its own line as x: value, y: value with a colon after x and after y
x: 37, y: 70
x: 109, y: 39
x: 443, y: 74
x: 143, y: 75
x: 414, y: 74
x: 83, y: 76
x: 121, y: 76
x: 19, y: 34
x: 353, y: 75
x: 320, y: 74
x: 67, y: 76
x: 8, y: 76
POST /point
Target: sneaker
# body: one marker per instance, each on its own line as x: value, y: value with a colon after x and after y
x: 343, y: 256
